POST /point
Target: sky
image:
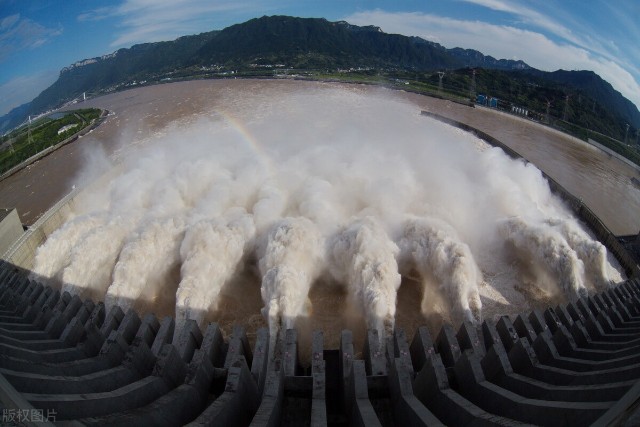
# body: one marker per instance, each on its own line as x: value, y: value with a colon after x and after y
x: 40, y: 37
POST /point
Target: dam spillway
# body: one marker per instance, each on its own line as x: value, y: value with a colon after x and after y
x: 574, y: 364
x: 301, y: 347
x: 362, y: 205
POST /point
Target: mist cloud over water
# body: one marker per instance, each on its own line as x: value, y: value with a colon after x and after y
x: 326, y: 183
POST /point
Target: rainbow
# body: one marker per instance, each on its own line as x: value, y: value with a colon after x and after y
x: 249, y: 138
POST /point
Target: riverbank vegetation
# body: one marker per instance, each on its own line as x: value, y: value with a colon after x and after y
x: 36, y: 136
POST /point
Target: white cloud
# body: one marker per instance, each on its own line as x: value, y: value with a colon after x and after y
x: 17, y: 33
x: 22, y: 89
x: 627, y: 31
x: 96, y: 14
x: 145, y: 21
x: 502, y: 41
x: 9, y: 21
x: 572, y: 32
x: 530, y: 16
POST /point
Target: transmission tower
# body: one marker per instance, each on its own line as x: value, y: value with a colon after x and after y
x: 472, y: 90
x: 440, y: 76
x: 547, y: 113
x: 11, y: 141
x: 30, y: 137
x: 626, y: 134
x: 565, y: 114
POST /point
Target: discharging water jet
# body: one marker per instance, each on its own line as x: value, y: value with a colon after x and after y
x: 291, y: 262
x: 363, y: 257
x: 434, y: 249
x: 549, y: 251
x: 210, y: 252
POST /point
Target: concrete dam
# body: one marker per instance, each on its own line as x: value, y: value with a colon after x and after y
x: 68, y: 359
x: 520, y: 330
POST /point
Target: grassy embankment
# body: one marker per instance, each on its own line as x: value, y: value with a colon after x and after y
x: 17, y: 147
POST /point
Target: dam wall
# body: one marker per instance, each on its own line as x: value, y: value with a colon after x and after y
x: 69, y: 361
x: 22, y: 252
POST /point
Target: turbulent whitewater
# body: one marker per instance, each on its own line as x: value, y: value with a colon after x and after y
x: 324, y: 185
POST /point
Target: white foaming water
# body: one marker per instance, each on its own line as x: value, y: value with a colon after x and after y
x: 549, y: 251
x: 210, y: 252
x: 145, y: 263
x: 52, y: 257
x: 93, y: 257
x: 364, y: 257
x: 434, y: 249
x: 291, y: 262
x: 319, y: 183
x: 591, y: 252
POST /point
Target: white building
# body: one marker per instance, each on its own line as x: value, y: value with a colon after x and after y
x: 66, y: 128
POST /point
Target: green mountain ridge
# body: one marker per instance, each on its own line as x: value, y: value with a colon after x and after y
x: 318, y: 44
x: 597, y: 89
